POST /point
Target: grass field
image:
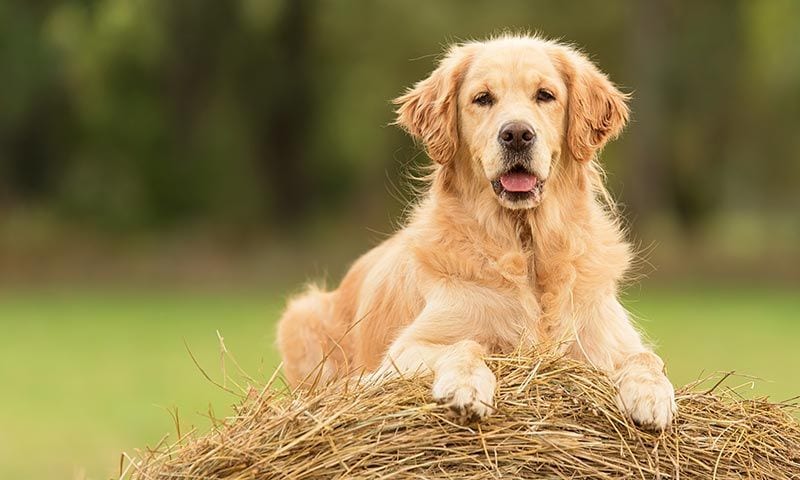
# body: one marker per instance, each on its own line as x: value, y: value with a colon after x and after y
x: 87, y: 374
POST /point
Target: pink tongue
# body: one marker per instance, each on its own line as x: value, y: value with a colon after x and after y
x: 518, y: 182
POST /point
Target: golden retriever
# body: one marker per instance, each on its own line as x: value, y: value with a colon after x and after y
x: 514, y: 244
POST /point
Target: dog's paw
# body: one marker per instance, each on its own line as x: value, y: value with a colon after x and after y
x: 469, y: 396
x: 647, y: 397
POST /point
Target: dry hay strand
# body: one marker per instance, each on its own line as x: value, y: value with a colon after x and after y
x: 554, y: 418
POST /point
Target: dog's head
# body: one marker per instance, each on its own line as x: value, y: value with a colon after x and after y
x: 511, y: 108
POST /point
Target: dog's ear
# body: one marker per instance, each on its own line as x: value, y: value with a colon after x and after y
x: 597, y: 110
x: 428, y: 111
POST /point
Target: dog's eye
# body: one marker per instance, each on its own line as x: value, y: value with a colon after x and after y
x: 544, y: 96
x: 484, y: 99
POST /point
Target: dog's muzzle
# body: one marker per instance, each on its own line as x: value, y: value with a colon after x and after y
x: 518, y: 184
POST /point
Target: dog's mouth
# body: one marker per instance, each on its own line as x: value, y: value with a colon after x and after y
x: 518, y: 184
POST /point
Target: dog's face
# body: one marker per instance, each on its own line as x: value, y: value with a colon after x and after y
x: 512, y: 107
x: 511, y: 104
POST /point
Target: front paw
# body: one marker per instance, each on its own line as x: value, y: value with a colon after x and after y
x: 646, y: 396
x: 468, y: 395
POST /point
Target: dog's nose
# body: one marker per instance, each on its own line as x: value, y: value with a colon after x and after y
x: 517, y: 136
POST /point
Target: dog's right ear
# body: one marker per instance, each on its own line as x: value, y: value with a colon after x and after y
x: 429, y: 112
x: 597, y: 110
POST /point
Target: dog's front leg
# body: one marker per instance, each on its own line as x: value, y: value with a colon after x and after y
x: 461, y: 379
x: 610, y: 342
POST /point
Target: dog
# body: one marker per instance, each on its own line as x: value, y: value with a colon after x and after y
x: 514, y: 244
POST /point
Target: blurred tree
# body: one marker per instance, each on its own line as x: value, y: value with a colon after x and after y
x: 35, y: 110
x: 685, y: 107
x: 277, y: 98
x: 648, y: 150
x: 703, y: 83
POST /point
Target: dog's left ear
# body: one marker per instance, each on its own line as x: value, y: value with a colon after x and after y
x: 597, y: 110
x: 429, y: 110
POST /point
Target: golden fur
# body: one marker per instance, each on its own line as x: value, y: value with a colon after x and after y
x: 473, y: 273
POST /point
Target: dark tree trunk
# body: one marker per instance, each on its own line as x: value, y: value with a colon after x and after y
x: 647, y: 158
x: 283, y: 150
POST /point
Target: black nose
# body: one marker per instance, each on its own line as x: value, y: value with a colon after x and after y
x: 517, y: 136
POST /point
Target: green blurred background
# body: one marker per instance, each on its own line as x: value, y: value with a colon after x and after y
x: 174, y: 168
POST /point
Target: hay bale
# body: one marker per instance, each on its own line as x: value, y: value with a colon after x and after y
x: 555, y: 418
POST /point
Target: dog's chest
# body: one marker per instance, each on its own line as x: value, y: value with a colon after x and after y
x: 516, y: 318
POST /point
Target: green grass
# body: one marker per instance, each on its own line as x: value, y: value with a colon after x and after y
x: 87, y: 374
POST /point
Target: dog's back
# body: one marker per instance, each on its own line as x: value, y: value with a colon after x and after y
x: 323, y: 335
